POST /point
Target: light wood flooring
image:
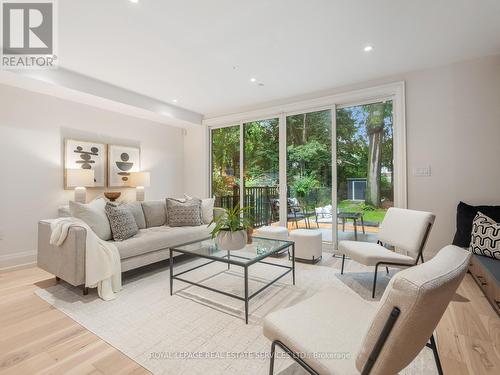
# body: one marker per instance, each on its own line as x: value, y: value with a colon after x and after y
x: 36, y: 338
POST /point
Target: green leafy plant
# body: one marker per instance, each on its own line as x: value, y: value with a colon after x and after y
x: 304, y: 185
x: 233, y: 220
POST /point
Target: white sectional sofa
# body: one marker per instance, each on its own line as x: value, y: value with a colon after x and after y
x: 150, y: 245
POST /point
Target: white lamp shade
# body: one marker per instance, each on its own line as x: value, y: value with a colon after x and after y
x: 79, y: 177
x: 139, y: 179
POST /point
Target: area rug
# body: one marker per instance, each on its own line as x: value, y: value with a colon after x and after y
x: 197, y: 331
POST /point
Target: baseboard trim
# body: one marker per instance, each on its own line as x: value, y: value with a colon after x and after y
x: 19, y: 260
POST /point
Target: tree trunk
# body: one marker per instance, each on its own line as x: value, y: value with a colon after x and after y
x: 375, y: 132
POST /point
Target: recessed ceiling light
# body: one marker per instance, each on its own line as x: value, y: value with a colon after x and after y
x: 174, y: 100
x: 253, y: 79
x: 134, y: 1
x: 368, y: 48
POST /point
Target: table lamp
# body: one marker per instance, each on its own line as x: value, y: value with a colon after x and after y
x: 139, y: 180
x: 80, y: 179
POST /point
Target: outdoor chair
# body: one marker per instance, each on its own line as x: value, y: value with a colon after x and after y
x: 295, y: 212
x: 405, y: 230
x: 338, y: 332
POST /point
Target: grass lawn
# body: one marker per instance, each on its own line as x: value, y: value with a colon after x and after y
x: 376, y: 215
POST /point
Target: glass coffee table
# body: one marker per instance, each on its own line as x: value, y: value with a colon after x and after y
x: 256, y: 252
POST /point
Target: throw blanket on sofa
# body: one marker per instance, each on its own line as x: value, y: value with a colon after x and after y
x: 102, y: 260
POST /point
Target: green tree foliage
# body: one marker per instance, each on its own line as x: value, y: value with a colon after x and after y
x: 225, y: 159
x: 309, y: 148
x: 261, y: 152
x: 352, y: 150
x: 309, y: 159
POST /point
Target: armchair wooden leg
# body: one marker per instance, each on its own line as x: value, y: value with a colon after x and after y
x: 58, y: 279
x: 387, y: 270
x: 343, y: 260
x: 85, y: 290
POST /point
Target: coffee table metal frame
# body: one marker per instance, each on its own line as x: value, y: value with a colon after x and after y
x: 232, y: 259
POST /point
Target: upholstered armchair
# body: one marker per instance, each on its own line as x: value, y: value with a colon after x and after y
x: 405, y: 230
x: 338, y: 332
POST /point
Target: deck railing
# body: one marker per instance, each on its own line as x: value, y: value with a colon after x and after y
x: 256, y: 197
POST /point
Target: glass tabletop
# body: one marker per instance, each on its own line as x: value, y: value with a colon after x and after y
x: 260, y: 248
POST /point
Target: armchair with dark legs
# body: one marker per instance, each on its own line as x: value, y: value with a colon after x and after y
x: 405, y: 230
x: 336, y: 332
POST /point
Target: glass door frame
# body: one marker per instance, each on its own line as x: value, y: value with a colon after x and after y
x: 393, y: 91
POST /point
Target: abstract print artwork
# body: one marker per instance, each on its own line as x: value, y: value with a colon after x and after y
x: 121, y: 161
x: 86, y: 155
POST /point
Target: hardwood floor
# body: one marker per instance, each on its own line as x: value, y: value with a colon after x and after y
x: 469, y: 333
x: 36, y: 338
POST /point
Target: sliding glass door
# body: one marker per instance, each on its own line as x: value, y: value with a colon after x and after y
x: 225, y: 160
x: 365, y: 171
x: 261, y: 170
x: 338, y: 169
x: 309, y: 172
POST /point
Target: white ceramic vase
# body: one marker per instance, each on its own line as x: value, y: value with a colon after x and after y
x: 228, y: 241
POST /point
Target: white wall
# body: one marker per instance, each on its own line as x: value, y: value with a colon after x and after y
x: 453, y: 125
x: 196, y: 165
x: 32, y: 129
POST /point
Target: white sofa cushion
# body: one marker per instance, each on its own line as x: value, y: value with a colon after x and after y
x: 155, y: 213
x: 157, y: 238
x: 207, y: 210
x: 136, y: 209
x: 94, y: 215
x: 370, y: 254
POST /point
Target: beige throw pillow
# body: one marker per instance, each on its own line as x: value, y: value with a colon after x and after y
x: 94, y: 215
x: 207, y: 208
x: 182, y: 214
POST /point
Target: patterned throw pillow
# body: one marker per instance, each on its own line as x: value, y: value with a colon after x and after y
x: 122, y: 221
x: 207, y: 208
x: 485, y: 238
x: 184, y: 213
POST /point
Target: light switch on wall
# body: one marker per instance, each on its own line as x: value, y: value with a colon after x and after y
x: 422, y: 171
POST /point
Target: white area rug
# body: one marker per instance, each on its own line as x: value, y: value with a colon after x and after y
x: 158, y: 330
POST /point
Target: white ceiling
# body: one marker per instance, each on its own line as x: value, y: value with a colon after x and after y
x: 187, y: 49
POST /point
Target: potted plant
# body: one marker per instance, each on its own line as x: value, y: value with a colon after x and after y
x: 230, y: 231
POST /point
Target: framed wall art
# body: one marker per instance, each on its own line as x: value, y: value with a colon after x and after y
x: 121, y: 161
x: 86, y: 155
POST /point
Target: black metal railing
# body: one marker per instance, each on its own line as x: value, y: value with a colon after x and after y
x: 256, y: 197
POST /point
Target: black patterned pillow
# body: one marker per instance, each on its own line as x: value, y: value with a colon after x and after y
x: 122, y: 222
x: 184, y: 213
x: 485, y: 238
